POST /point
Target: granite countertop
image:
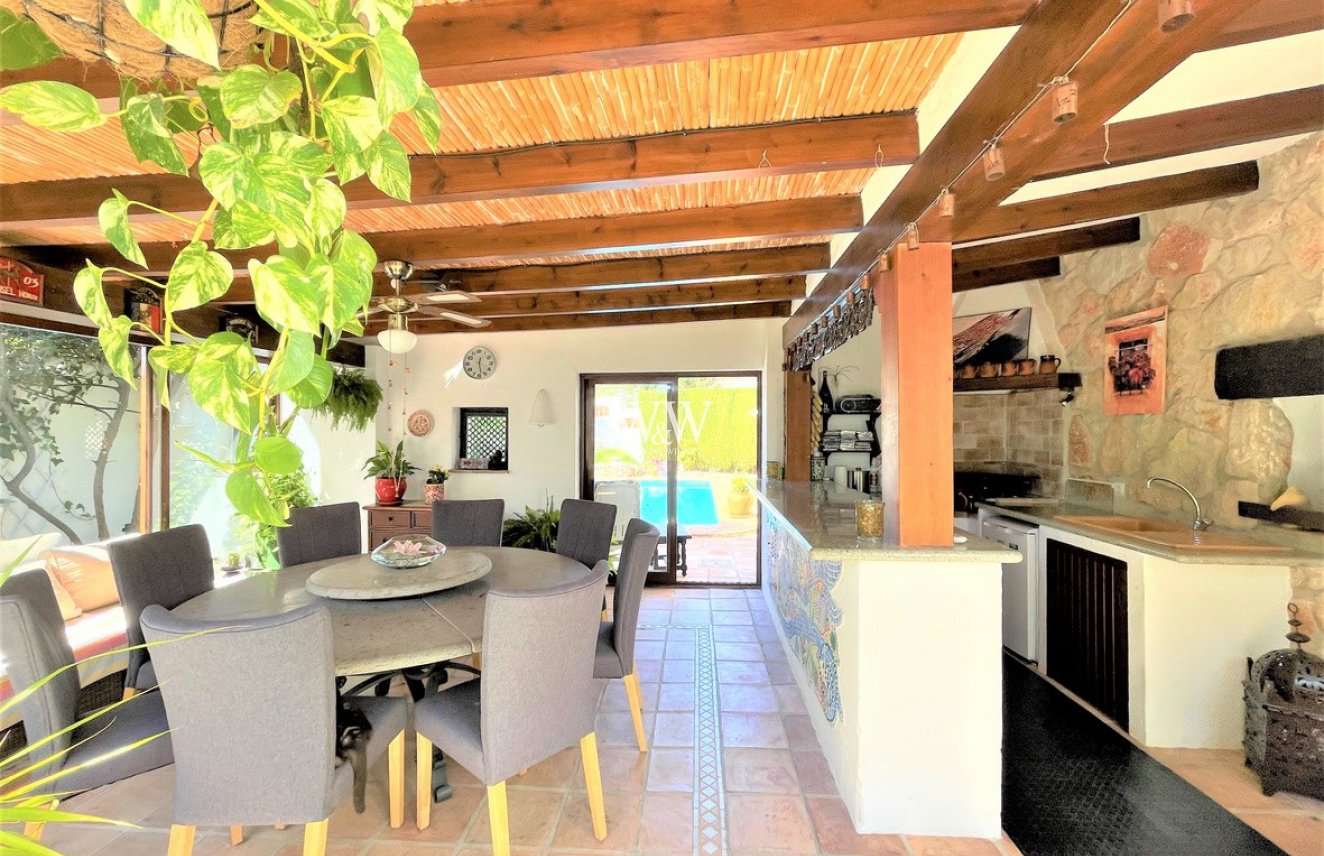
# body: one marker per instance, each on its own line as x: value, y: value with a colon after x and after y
x: 1047, y: 515
x: 824, y: 516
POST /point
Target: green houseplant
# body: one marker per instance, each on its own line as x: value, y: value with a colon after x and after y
x: 740, y: 501
x: 278, y: 135
x: 535, y: 529
x: 435, y: 489
x: 390, y: 468
x: 352, y: 401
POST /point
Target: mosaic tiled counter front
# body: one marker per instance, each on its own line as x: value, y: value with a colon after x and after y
x: 873, y: 632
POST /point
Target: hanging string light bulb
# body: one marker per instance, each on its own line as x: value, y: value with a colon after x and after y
x: 1175, y: 14
x: 1066, y: 100
x: 994, y: 167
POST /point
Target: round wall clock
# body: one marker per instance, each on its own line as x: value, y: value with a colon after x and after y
x: 419, y: 423
x: 479, y: 363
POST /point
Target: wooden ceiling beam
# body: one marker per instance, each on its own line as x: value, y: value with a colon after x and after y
x: 1120, y: 200
x: 773, y: 290
x: 1201, y: 129
x: 508, y: 39
x: 691, y: 227
x: 1048, y: 245
x: 706, y: 155
x: 732, y: 266
x: 613, y: 319
x: 1270, y: 19
x: 971, y: 279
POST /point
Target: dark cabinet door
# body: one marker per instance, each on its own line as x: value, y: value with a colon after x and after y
x: 1087, y: 627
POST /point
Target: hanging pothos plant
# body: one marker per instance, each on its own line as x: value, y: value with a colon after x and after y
x: 353, y: 400
x: 277, y: 138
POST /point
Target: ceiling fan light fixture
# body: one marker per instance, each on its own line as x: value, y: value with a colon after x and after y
x: 448, y: 296
x: 397, y: 338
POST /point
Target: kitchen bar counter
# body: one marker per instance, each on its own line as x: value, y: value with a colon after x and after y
x: 1049, y: 515
x: 823, y: 515
x: 912, y: 749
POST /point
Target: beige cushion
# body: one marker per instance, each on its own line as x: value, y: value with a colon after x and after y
x: 68, y: 609
x: 85, y: 573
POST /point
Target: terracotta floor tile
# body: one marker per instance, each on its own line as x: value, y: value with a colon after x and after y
x: 1298, y: 834
x: 836, y: 832
x: 780, y: 673
x: 768, y: 822
x: 800, y: 732
x: 678, y: 671
x: 615, y: 698
x: 645, y: 649
x: 753, y: 731
x: 617, y: 728
x: 729, y: 618
x: 623, y: 769
x: 675, y: 697
x: 405, y: 848
x: 746, y: 651
x: 680, y: 650
x: 728, y: 604
x: 449, y: 821
x: 815, y: 774
x: 673, y: 729
x: 767, y: 634
x: 929, y: 845
x: 742, y: 673
x: 532, y: 815
x: 575, y: 829
x: 759, y: 771
x: 735, y: 633
x: 667, y: 824
x: 1232, y: 785
x: 671, y: 770
x: 648, y: 670
x: 747, y: 698
x: 555, y: 772
x: 790, y: 699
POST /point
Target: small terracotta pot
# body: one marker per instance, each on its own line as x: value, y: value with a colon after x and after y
x: 968, y: 370
x: 390, y: 491
x: 988, y: 370
x: 1048, y: 364
x: 1009, y: 368
x: 434, y: 493
x: 1026, y: 366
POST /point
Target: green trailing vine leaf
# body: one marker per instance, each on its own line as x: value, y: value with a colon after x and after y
x: 22, y: 43
x: 275, y: 144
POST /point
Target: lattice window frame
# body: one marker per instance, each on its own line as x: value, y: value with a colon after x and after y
x: 491, y: 440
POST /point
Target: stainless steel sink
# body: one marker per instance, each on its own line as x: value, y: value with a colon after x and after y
x: 1172, y: 535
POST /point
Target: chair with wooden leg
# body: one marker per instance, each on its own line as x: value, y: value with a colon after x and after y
x: 34, y: 646
x: 320, y: 532
x: 165, y: 568
x: 536, y: 696
x: 252, y: 704
x: 615, y: 652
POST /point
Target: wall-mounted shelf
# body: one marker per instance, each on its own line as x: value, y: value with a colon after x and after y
x: 1302, y: 518
x: 1057, y: 380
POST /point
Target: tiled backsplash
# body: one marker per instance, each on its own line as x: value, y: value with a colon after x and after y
x: 1019, y: 427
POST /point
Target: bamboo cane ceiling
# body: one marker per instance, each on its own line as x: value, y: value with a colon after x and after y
x: 765, y: 88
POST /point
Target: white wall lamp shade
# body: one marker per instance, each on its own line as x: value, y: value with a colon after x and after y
x: 541, y: 414
x: 396, y: 339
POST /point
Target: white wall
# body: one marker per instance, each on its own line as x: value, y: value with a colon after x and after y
x: 545, y: 461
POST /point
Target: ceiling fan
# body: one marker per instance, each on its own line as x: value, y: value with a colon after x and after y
x: 397, y: 337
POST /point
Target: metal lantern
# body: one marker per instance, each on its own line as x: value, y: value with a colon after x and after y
x: 1284, y: 738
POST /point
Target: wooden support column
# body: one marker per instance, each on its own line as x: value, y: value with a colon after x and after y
x: 915, y: 304
x: 798, y: 393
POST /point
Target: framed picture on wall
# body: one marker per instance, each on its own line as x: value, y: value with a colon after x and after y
x: 995, y: 337
x: 1136, y: 363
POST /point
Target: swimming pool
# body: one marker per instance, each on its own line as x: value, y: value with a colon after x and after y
x: 695, y: 505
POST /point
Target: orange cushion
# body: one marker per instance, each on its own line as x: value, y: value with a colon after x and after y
x: 85, y: 573
x: 68, y: 609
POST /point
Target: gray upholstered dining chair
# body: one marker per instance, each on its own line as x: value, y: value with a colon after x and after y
x: 536, y: 696
x: 468, y: 522
x: 615, y: 653
x: 252, y: 703
x: 164, y: 568
x: 320, y: 532
x: 584, y: 533
x: 33, y: 640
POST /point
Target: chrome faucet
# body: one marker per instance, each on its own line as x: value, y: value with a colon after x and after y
x: 1201, y: 522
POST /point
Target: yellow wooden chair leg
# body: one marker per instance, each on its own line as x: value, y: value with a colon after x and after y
x: 129, y: 692
x: 423, y: 781
x: 314, y: 838
x: 33, y: 831
x: 477, y: 661
x: 236, y: 835
x: 499, y: 819
x: 631, y: 682
x: 281, y: 826
x: 395, y: 775
x: 181, y: 840
x: 588, y: 750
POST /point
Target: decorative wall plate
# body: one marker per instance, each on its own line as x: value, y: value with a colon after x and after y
x: 419, y: 423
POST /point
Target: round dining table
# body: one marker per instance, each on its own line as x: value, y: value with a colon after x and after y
x: 372, y: 636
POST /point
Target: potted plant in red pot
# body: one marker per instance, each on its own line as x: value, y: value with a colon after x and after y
x: 390, y: 468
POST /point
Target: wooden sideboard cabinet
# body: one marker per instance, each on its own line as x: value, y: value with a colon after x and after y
x: 385, y: 521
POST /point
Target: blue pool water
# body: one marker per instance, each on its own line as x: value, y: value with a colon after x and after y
x: 695, y: 505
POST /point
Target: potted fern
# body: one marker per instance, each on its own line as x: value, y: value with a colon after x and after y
x: 352, y: 402
x: 390, y: 468
x: 535, y: 529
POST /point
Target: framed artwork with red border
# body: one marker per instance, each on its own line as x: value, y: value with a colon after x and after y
x: 20, y: 284
x: 1135, y: 370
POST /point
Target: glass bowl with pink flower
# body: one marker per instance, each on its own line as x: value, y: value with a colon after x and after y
x: 408, y: 551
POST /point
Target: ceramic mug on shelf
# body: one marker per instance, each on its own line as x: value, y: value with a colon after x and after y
x: 1048, y: 364
x: 1009, y: 368
x: 1026, y: 366
x: 968, y: 370
x: 988, y: 370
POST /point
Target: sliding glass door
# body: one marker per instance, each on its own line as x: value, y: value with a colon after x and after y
x: 680, y: 451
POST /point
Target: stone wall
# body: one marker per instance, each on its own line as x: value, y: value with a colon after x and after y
x: 979, y: 428
x: 1232, y: 272
x: 1018, y: 427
